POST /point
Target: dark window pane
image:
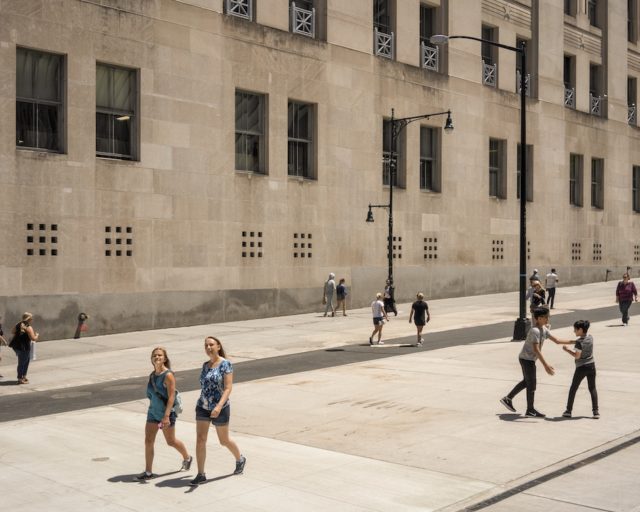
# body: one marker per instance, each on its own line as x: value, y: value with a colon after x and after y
x: 122, y: 89
x: 122, y: 135
x: 102, y: 86
x: 25, y: 124
x: 46, y: 79
x: 241, y: 160
x: 47, y: 136
x: 24, y: 73
x: 303, y: 122
x: 103, y: 133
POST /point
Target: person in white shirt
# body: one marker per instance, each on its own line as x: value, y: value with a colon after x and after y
x: 550, y: 283
x: 379, y: 317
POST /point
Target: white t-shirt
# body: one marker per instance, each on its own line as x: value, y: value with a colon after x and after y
x: 551, y: 280
x: 377, y: 308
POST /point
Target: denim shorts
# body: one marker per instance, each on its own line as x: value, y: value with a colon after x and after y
x: 172, y: 419
x: 378, y: 320
x: 222, y: 419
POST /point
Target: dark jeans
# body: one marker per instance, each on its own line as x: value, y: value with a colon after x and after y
x: 23, y: 362
x: 529, y: 382
x: 551, y: 297
x: 588, y: 371
x: 390, y: 305
x: 624, y: 309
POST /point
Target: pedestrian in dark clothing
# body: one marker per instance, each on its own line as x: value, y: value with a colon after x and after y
x: 536, y: 295
x: 585, y: 366
x: 626, y: 293
x: 389, y: 299
x: 23, y: 335
x: 341, y: 294
x: 420, y: 315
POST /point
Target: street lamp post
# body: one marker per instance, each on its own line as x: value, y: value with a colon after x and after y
x: 397, y: 125
x: 522, y: 323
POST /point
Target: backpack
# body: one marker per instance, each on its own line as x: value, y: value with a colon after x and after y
x: 177, y: 401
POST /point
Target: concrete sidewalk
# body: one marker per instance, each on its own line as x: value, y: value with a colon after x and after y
x: 422, y: 431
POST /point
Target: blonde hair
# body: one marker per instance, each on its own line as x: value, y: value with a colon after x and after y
x: 221, y: 351
x: 26, y: 316
x: 167, y: 363
x: 378, y: 295
x: 420, y: 296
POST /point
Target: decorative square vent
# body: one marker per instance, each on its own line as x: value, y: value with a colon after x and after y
x: 528, y: 249
x: 42, y: 239
x: 252, y: 244
x: 497, y: 249
x: 636, y: 253
x: 576, y: 251
x: 397, y: 247
x: 118, y: 241
x: 597, y: 251
x: 302, y: 245
x: 430, y: 248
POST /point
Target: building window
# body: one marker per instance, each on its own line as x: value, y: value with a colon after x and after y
x: 592, y: 13
x: 496, y: 168
x: 383, y: 29
x: 116, y: 106
x: 569, y: 77
x: 635, y: 188
x: 39, y: 100
x: 239, y: 8
x: 595, y: 89
x: 250, y: 132
x: 632, y: 21
x: 570, y: 7
x: 429, y: 162
x: 303, y: 18
x: 301, y: 150
x: 632, y: 101
x: 489, y: 57
x: 597, y: 183
x: 529, y: 157
x: 399, y: 161
x: 575, y: 179
x: 429, y: 53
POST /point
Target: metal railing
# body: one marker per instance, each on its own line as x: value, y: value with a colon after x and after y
x: 489, y: 74
x: 240, y: 8
x: 527, y: 82
x: 430, y: 56
x: 595, y: 105
x: 303, y: 21
x: 383, y: 44
x: 632, y: 115
x: 570, y: 97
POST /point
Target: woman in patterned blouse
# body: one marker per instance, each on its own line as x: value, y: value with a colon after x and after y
x: 213, y: 406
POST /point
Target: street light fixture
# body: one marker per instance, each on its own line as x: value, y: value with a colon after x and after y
x: 397, y: 125
x: 522, y: 323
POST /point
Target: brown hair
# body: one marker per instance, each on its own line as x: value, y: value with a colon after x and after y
x: 221, y: 351
x: 167, y: 363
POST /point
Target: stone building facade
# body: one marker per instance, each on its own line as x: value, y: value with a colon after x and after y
x: 191, y: 161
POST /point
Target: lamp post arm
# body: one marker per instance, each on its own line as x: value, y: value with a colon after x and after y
x: 400, y: 124
x: 488, y: 41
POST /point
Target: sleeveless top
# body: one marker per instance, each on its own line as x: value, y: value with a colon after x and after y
x: 157, y: 406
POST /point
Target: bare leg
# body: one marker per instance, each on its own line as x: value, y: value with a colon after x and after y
x: 380, y: 332
x: 150, y: 432
x: 226, y: 441
x: 419, y: 329
x: 202, y: 432
x: 170, y: 438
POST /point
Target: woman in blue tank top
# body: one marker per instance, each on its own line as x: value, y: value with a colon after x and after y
x: 161, y: 391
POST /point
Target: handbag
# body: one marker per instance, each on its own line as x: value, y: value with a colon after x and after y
x: 177, y: 401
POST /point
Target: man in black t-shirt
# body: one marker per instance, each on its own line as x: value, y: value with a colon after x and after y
x: 420, y: 315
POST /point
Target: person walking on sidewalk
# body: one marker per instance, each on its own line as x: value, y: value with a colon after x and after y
x: 550, y: 283
x: 530, y: 353
x: 536, y: 295
x: 585, y: 366
x: 213, y: 406
x: 341, y: 294
x: 420, y: 315
x: 23, y: 335
x: 161, y: 391
x: 626, y: 293
x: 379, y: 317
x: 389, y: 298
x: 327, y: 294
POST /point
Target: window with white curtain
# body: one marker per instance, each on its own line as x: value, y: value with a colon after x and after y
x: 116, y: 106
x: 39, y: 100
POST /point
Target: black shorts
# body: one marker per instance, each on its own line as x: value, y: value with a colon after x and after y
x: 222, y: 419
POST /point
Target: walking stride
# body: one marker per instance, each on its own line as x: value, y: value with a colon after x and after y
x: 379, y: 317
x: 530, y: 353
x: 585, y: 366
x: 626, y: 293
x: 420, y: 315
x: 161, y: 415
x: 213, y: 406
